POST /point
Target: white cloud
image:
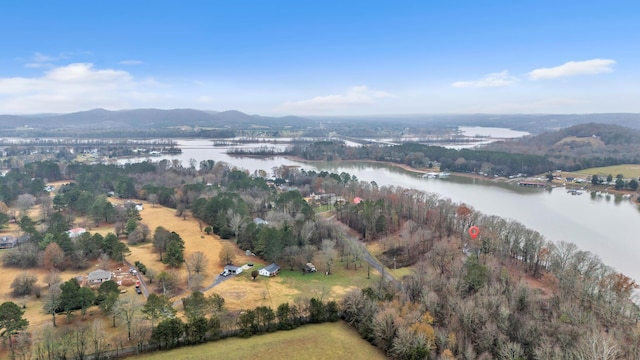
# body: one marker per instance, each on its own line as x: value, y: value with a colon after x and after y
x: 130, y: 62
x: 40, y: 60
x: 500, y: 79
x: 355, y: 96
x: 574, y: 68
x: 75, y: 87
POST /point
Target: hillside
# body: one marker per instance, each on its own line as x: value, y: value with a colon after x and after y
x: 148, y: 118
x: 580, y: 146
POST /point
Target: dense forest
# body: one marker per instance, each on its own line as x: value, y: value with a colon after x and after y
x: 497, y: 163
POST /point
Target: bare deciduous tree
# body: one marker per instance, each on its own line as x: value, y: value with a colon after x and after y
x: 227, y: 254
x: 198, y: 262
x: 25, y: 201
x: 168, y: 282
x: 52, y: 302
x: 329, y: 252
x: 135, y: 237
x: 126, y: 308
x: 52, y: 277
x: 597, y: 346
x: 153, y: 199
x: 236, y: 222
x: 23, y: 284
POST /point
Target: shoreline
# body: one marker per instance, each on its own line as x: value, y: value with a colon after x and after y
x: 584, y: 186
x: 401, y: 166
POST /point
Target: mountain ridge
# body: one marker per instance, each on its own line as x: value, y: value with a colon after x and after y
x: 146, y: 118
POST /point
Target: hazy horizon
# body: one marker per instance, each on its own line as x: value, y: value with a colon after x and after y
x: 321, y: 59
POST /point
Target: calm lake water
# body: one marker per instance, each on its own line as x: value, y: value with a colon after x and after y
x: 603, y: 225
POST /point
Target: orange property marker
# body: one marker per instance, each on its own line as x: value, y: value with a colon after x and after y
x: 474, y: 231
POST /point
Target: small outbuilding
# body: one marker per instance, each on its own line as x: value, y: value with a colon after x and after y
x: 99, y: 276
x: 270, y: 270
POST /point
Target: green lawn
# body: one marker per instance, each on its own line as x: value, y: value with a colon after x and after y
x: 314, y: 283
x: 318, y: 341
x: 399, y: 273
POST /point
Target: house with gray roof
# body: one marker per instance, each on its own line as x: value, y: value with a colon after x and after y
x: 99, y: 276
x: 270, y: 270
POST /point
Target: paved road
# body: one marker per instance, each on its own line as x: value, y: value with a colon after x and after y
x: 219, y: 278
x: 370, y: 259
x: 143, y: 285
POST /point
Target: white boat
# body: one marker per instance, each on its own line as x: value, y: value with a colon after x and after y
x: 436, y: 175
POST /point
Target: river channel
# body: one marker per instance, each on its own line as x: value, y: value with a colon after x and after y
x: 605, y: 225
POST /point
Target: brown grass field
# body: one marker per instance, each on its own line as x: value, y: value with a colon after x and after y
x: 239, y: 292
x: 321, y: 341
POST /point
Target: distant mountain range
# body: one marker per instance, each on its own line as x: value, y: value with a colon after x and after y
x: 148, y: 118
x: 142, y: 119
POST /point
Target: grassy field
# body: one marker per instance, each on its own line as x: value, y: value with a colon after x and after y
x: 322, y: 341
x: 628, y: 170
x: 330, y: 287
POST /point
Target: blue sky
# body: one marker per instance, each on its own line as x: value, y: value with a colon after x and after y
x: 321, y: 57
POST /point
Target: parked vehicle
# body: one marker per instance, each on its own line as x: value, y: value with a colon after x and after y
x: 309, y: 268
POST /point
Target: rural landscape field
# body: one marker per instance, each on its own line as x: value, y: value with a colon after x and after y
x: 326, y: 341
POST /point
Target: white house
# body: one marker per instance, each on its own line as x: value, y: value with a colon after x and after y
x: 271, y: 270
x: 75, y: 232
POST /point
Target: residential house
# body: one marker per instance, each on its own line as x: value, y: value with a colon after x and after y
x: 270, y: 270
x: 99, y: 276
x: 75, y: 232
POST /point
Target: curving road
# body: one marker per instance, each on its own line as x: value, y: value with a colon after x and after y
x: 370, y: 259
